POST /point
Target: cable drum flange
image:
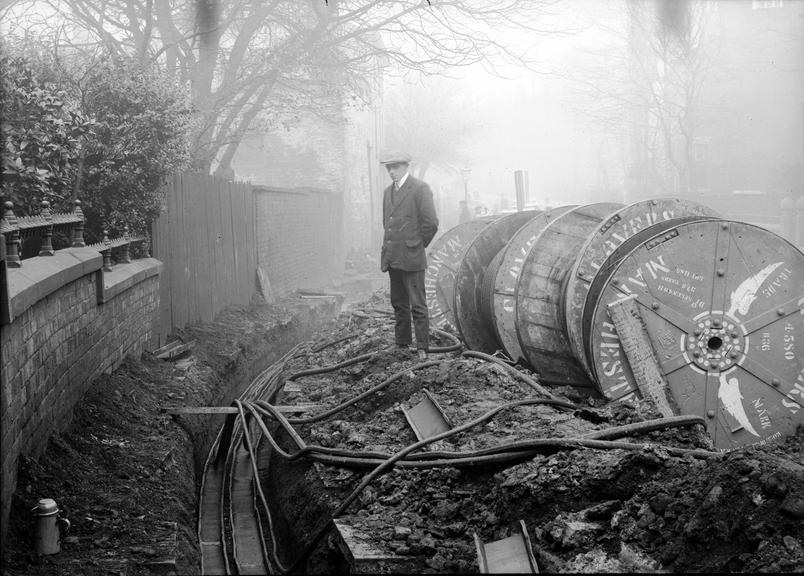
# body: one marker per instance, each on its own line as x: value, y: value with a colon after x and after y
x: 476, y: 334
x: 722, y: 305
x: 514, y: 253
x: 625, y: 393
x: 444, y: 257
x: 607, y: 237
x: 539, y: 294
x: 487, y: 288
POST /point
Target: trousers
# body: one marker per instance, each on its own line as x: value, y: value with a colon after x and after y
x: 409, y: 302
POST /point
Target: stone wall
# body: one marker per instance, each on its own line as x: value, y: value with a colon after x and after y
x: 65, y: 322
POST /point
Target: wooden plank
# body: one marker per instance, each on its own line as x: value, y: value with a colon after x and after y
x: 641, y: 356
x: 243, y: 247
x: 188, y: 183
x: 175, y: 351
x: 265, y: 286
x: 239, y: 234
x: 220, y: 253
x: 183, y: 265
x: 198, y: 260
x: 159, y: 245
x: 210, y: 245
x: 360, y: 551
x: 206, y: 275
x: 246, y: 533
x: 285, y: 409
x: 174, y: 223
x: 228, y: 239
x: 203, y: 272
x: 251, y: 239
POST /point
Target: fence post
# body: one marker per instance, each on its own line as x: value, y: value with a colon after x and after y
x: 78, y: 230
x: 46, y: 248
x: 125, y: 257
x: 799, y: 238
x: 107, y: 252
x: 788, y: 219
x: 8, y: 226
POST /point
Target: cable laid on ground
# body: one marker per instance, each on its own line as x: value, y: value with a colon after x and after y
x: 513, y: 371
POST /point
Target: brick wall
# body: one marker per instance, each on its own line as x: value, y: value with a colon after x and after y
x: 298, y: 235
x: 65, y: 323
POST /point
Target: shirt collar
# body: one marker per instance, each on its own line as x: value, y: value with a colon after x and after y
x: 402, y: 180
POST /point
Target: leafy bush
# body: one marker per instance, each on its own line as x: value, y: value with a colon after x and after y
x: 140, y: 138
x: 42, y: 130
x: 106, y: 131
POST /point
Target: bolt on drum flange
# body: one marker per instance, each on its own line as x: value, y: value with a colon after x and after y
x: 722, y: 304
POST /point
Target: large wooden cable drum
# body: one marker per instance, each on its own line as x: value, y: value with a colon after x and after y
x: 539, y: 293
x: 722, y: 304
x: 444, y: 257
x: 503, y: 306
x: 608, y: 236
x: 476, y: 333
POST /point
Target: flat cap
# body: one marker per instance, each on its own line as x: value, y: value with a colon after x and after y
x: 394, y: 157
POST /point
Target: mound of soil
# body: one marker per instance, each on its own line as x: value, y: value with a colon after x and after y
x: 665, y: 502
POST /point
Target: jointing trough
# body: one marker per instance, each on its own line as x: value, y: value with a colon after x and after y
x: 658, y: 301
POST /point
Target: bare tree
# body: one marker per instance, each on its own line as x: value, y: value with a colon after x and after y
x: 433, y: 119
x: 247, y: 61
x: 646, y: 91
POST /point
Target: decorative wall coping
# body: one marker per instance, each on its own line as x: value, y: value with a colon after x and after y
x: 124, y: 276
x: 43, y: 275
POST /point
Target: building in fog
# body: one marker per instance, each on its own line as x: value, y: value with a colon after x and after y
x: 335, y: 151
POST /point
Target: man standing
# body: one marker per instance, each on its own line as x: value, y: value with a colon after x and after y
x: 410, y: 222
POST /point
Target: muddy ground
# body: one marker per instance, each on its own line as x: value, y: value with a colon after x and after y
x: 125, y: 474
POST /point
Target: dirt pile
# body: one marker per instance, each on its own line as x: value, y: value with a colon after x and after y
x: 645, y: 502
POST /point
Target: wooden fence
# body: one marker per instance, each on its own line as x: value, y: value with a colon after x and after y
x: 206, y: 239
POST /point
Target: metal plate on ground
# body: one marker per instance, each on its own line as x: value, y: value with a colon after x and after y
x: 476, y: 334
x: 723, y: 305
x: 427, y: 418
x: 444, y: 256
x: 539, y: 293
x: 512, y: 555
x: 607, y: 237
x: 513, y: 257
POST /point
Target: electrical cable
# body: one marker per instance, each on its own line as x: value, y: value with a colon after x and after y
x: 513, y: 371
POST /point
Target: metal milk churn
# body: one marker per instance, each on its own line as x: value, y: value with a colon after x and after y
x: 47, y: 539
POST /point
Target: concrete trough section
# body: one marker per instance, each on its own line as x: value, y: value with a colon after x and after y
x: 720, y: 303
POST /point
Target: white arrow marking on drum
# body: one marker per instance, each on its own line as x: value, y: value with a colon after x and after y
x: 746, y: 292
x: 732, y: 399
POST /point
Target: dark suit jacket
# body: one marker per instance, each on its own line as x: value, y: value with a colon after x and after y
x: 410, y: 223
